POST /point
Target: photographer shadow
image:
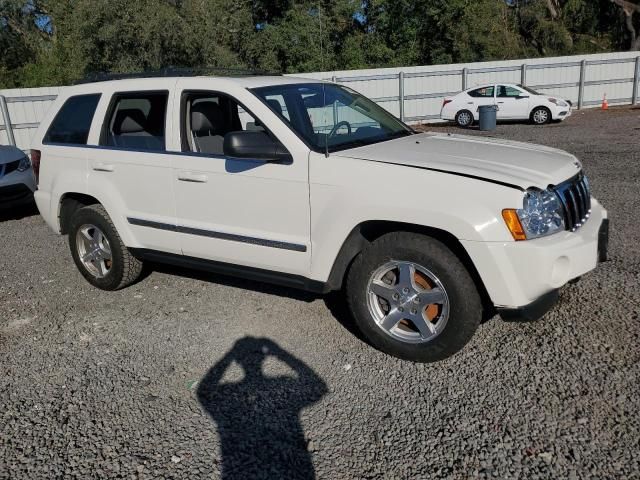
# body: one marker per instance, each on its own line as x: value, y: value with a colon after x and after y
x: 258, y: 417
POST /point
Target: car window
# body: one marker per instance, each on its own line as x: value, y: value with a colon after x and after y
x: 207, y: 117
x: 72, y: 123
x: 481, y: 92
x: 136, y: 121
x: 331, y: 117
x: 505, y: 91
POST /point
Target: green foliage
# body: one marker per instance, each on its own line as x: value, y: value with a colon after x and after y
x: 46, y: 42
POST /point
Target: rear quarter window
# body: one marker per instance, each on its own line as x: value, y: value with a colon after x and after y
x: 481, y: 92
x: 72, y: 123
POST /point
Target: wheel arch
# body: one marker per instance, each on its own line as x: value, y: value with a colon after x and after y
x: 367, y: 232
x: 71, y: 202
x: 537, y: 107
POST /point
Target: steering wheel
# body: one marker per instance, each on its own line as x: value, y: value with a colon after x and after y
x: 337, y: 126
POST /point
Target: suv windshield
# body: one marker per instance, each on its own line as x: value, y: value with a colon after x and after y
x: 331, y: 117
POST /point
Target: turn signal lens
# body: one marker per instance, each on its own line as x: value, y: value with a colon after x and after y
x: 510, y: 217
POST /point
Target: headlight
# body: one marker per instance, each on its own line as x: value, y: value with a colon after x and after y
x: 25, y: 164
x: 541, y: 214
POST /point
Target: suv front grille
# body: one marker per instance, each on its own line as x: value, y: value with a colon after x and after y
x: 575, y: 196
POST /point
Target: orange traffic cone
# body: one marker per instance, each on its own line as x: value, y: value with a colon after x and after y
x: 605, y: 104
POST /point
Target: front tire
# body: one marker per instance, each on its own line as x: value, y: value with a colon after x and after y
x: 464, y: 118
x: 540, y: 116
x: 411, y: 297
x: 98, y: 251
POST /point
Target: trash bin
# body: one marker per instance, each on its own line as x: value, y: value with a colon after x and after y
x: 487, y: 117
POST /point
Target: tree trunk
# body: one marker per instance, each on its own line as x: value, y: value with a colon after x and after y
x: 629, y: 9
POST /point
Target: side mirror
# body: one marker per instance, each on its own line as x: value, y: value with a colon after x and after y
x: 520, y: 97
x: 254, y: 145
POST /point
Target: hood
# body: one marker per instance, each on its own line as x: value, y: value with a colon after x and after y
x: 519, y: 164
x: 10, y: 154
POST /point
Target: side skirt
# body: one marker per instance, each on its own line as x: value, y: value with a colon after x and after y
x: 256, y: 274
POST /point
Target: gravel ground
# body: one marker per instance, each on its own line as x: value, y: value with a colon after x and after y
x: 127, y: 384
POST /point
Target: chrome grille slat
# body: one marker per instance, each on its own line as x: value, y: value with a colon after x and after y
x: 574, y: 206
x: 575, y: 197
x: 587, y: 195
x: 579, y: 204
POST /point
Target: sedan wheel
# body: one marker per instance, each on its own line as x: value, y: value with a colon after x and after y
x: 464, y: 118
x: 540, y: 116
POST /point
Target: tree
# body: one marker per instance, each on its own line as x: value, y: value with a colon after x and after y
x: 629, y: 9
x: 23, y: 28
x: 53, y: 42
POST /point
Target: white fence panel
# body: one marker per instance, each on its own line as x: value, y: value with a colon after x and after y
x: 26, y: 107
x: 416, y: 93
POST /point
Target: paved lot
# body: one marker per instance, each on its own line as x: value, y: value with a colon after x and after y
x: 127, y: 384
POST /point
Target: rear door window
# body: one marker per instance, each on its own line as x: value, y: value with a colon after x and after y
x: 136, y: 121
x: 73, y: 122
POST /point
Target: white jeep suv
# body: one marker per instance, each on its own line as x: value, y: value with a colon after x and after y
x: 311, y: 185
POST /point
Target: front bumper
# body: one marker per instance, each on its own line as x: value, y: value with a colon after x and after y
x: 534, y: 311
x: 14, y: 195
x: 517, y: 274
x: 16, y: 188
x: 561, y: 113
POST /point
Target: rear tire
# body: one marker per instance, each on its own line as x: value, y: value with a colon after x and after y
x: 464, y: 118
x: 540, y: 116
x: 440, y: 289
x: 97, y: 249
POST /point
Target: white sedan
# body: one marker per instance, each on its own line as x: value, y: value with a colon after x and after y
x: 513, y: 102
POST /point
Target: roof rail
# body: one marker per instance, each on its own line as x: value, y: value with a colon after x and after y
x: 173, y: 72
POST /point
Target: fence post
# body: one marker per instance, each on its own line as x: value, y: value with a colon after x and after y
x: 636, y: 79
x: 583, y: 71
x: 465, y: 79
x: 7, y: 120
x: 523, y: 74
x: 401, y: 94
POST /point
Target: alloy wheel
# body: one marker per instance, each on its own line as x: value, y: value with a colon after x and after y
x: 94, y: 250
x: 408, y: 302
x: 540, y: 116
x: 464, y: 119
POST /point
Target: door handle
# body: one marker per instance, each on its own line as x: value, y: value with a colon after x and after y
x: 192, y: 177
x: 103, y: 167
x: 500, y: 102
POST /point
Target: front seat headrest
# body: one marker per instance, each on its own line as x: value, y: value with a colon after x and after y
x: 129, y: 120
x: 206, y: 117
